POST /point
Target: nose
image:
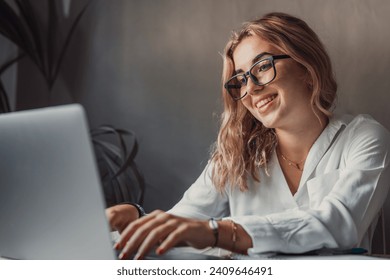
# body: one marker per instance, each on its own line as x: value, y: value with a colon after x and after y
x: 252, y: 88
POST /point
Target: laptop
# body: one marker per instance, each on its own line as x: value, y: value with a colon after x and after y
x: 51, y: 199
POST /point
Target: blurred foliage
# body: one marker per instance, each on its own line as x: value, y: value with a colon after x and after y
x: 39, y: 37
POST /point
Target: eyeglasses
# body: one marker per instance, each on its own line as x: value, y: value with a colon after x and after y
x: 261, y: 73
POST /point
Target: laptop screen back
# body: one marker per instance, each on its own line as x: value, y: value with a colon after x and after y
x: 51, y: 201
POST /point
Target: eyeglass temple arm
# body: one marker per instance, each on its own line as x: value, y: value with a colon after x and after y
x: 281, y: 56
x: 232, y: 86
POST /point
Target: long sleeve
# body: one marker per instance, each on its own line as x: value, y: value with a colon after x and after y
x: 343, y: 202
x: 202, y: 200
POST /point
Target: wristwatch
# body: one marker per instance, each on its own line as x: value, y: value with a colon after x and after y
x: 140, y: 209
x: 213, y: 224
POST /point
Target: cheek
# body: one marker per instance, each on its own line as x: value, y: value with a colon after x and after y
x: 294, y: 86
x: 246, y: 102
x: 248, y: 106
x: 292, y: 71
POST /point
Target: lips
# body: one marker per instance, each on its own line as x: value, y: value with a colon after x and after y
x: 265, y: 100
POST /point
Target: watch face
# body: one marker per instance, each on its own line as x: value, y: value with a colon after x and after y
x: 213, y: 224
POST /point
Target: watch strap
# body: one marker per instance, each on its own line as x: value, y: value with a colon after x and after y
x: 213, y: 224
x: 140, y: 209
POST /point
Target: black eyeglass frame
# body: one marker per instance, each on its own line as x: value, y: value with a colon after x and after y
x: 271, y: 58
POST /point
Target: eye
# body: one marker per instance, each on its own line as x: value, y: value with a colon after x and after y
x: 263, y: 66
x: 241, y: 80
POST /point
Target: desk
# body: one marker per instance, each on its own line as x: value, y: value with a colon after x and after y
x: 308, y: 257
x: 220, y: 254
x: 189, y: 253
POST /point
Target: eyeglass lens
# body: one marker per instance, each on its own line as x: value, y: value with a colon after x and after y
x: 261, y: 73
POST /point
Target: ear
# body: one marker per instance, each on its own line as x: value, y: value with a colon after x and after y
x: 308, y: 79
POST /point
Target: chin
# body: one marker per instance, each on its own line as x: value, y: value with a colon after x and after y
x: 268, y: 121
x: 270, y: 118
x: 268, y: 125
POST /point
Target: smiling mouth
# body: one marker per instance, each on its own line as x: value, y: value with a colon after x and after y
x: 265, y: 101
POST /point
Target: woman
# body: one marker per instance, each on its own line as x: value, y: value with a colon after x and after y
x: 285, y: 174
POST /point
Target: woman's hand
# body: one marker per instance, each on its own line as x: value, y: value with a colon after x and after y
x: 120, y: 216
x: 164, y: 231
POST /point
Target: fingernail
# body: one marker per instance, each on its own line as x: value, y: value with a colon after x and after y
x: 122, y: 256
x: 116, y: 246
x: 137, y: 256
x: 159, y: 251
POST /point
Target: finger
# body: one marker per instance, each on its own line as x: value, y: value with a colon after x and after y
x: 171, y: 240
x: 141, y: 232
x: 155, y: 237
x: 130, y: 229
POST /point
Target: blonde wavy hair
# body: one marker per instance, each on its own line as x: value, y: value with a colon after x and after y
x: 244, y: 145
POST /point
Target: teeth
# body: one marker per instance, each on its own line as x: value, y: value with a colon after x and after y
x: 265, y: 101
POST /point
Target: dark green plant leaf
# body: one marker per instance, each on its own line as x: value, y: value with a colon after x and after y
x: 109, y: 148
x: 109, y: 155
x: 9, y: 63
x: 66, y: 42
x: 129, y: 158
x: 113, y: 185
x: 22, y: 27
x: 113, y: 163
x: 124, y: 188
x: 4, y: 101
x: 118, y: 133
x: 116, y: 187
x: 141, y: 182
x: 110, y: 165
x: 13, y: 27
x: 27, y: 12
x: 7, y: 17
x: 119, y: 168
x: 52, y: 16
x: 125, y: 160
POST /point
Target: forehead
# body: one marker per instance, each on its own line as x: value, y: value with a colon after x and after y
x: 248, y: 49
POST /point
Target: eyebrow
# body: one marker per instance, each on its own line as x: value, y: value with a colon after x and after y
x: 254, y: 60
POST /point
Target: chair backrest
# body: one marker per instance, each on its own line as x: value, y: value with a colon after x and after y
x: 380, y: 244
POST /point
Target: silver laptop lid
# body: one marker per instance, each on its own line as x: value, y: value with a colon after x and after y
x: 51, y: 200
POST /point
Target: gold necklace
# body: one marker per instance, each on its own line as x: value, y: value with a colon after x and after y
x: 292, y: 163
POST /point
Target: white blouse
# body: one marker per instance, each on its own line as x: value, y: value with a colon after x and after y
x: 344, y: 184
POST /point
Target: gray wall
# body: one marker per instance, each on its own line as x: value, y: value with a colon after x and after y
x: 154, y: 67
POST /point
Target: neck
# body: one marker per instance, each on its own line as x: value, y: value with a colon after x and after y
x: 295, y: 142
